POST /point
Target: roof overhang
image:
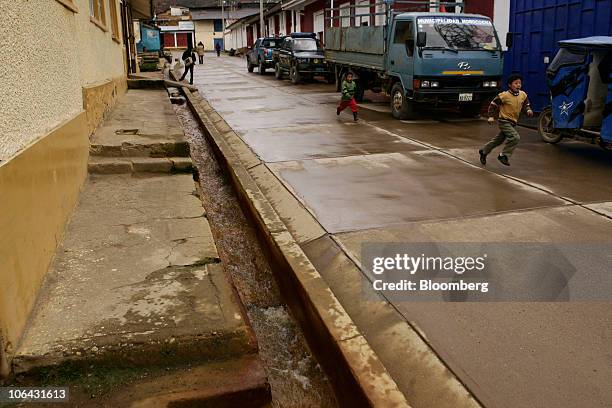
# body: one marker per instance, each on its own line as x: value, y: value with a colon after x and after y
x: 141, y: 9
x: 588, y: 42
x: 297, y: 4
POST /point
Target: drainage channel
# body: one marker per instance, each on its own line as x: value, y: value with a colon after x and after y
x: 296, y: 379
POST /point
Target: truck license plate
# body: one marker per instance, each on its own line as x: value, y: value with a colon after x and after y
x: 465, y: 97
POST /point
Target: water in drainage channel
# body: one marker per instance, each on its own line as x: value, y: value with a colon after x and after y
x: 294, y: 375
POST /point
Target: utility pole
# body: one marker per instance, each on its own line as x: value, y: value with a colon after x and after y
x: 261, y: 18
x: 223, y: 23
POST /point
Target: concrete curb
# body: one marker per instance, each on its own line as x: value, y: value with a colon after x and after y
x: 358, y: 376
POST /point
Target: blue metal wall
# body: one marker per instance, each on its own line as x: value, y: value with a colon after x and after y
x: 538, y: 25
x: 149, y: 38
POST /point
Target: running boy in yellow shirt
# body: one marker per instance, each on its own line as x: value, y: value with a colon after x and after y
x: 509, y: 104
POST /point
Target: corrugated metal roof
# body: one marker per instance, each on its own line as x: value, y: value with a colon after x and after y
x: 196, y: 4
x: 229, y: 14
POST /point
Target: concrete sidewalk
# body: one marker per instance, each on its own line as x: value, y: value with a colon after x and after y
x: 335, y: 185
x: 137, y: 281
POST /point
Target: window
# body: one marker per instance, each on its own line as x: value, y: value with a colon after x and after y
x: 97, y: 13
x: 403, y: 32
x: 567, y: 56
x: 69, y: 4
x: 114, y: 23
x: 218, y: 25
x: 345, y: 14
x: 363, y: 9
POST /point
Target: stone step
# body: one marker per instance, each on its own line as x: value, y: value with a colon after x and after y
x: 233, y: 383
x: 137, y: 282
x: 141, y: 83
x: 122, y: 165
x: 162, y: 149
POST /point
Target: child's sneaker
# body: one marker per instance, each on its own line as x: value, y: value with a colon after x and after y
x: 483, y: 157
x: 503, y: 159
x: 338, y: 111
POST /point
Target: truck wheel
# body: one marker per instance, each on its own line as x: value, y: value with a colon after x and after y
x: 249, y: 65
x: 261, y: 68
x: 294, y: 74
x: 546, y: 127
x: 401, y: 107
x: 278, y: 73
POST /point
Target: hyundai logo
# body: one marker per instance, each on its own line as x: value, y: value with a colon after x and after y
x: 463, y: 65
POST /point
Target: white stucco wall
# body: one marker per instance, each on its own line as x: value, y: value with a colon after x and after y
x: 53, y: 53
x: 501, y: 19
x: 101, y: 58
x: 41, y: 84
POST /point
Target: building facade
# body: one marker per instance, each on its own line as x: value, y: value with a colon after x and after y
x: 72, y: 65
x: 177, y: 28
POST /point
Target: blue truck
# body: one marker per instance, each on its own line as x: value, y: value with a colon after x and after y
x: 260, y: 55
x: 421, y: 59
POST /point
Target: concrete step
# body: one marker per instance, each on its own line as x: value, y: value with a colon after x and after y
x: 142, y: 124
x: 136, y: 283
x: 123, y: 165
x: 127, y: 149
x: 233, y: 383
x: 141, y: 83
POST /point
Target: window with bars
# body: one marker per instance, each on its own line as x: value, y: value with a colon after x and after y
x: 97, y: 13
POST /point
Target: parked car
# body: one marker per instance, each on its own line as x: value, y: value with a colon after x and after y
x: 261, y: 54
x: 302, y: 57
x: 580, y: 83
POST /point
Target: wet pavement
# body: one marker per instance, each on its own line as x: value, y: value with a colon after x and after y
x: 383, y: 180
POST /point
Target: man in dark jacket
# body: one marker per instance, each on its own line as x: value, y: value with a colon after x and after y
x: 189, y: 58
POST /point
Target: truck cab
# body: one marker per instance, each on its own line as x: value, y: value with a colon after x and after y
x: 443, y: 59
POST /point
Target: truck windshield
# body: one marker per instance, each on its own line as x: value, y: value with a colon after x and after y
x: 459, y: 33
x: 566, y: 56
x: 305, y: 44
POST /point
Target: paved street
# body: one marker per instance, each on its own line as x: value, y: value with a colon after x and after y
x: 384, y: 180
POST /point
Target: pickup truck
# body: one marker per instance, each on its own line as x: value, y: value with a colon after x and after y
x: 260, y: 55
x: 421, y: 59
x: 301, y: 56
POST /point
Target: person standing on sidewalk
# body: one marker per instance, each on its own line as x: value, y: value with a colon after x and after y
x: 200, y: 51
x: 348, y: 96
x: 510, y: 104
x: 218, y: 49
x: 189, y: 59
